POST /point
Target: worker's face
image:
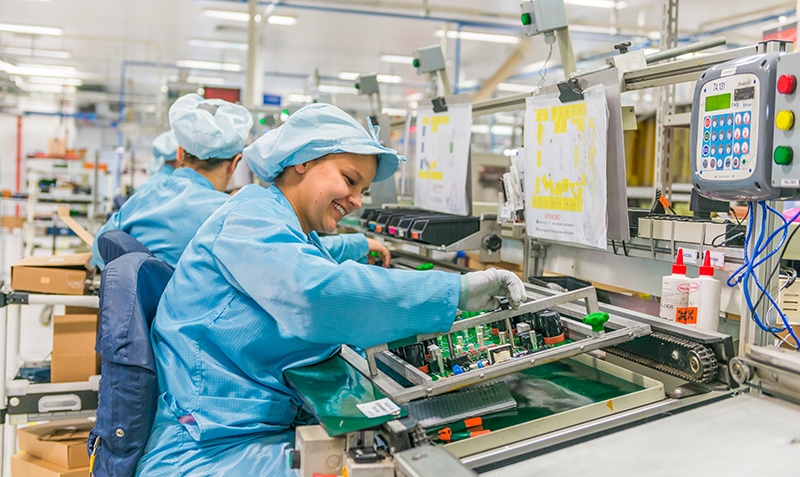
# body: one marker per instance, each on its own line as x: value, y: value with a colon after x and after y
x: 331, y: 188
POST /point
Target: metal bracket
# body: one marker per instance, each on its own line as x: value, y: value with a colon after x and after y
x: 13, y: 298
x: 439, y: 105
x: 569, y: 91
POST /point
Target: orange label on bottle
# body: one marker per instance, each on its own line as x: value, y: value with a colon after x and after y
x: 686, y: 316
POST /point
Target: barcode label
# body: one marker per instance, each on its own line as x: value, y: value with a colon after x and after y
x: 381, y: 407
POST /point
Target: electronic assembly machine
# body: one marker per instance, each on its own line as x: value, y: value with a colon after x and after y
x: 575, y: 380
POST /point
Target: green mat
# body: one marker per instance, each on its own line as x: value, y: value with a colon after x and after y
x: 332, y: 389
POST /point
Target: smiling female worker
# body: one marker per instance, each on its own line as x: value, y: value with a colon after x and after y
x: 256, y: 293
x: 165, y: 216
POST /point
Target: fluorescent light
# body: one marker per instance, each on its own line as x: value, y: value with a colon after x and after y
x: 471, y: 35
x: 59, y: 81
x: 49, y: 88
x: 480, y: 129
x: 209, y: 65
x: 389, y: 79
x: 515, y: 88
x: 403, y: 60
x: 597, y: 3
x: 229, y: 15
x: 469, y: 84
x: 418, y: 96
x: 209, y: 80
x: 502, y: 130
x: 38, y: 53
x: 298, y: 98
x: 350, y: 76
x: 42, y: 70
x: 281, y: 20
x: 222, y: 45
x: 327, y: 88
x: 31, y: 30
x: 395, y: 111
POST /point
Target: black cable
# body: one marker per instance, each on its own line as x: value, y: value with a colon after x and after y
x: 772, y: 275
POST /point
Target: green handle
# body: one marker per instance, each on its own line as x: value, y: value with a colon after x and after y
x: 596, y: 320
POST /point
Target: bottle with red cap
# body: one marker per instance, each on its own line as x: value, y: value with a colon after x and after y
x: 674, y: 290
x: 704, y: 297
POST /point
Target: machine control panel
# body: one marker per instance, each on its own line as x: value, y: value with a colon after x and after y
x: 785, y: 137
x: 729, y: 116
x: 732, y: 125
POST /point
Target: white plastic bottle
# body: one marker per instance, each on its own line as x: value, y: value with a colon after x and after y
x: 704, y: 297
x: 674, y: 289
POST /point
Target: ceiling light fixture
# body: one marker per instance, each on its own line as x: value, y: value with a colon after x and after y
x: 515, y: 88
x: 205, y: 80
x: 403, y: 60
x: 281, y: 20
x: 348, y: 76
x: 31, y: 30
x: 209, y: 65
x: 298, y: 98
x: 222, y: 45
x: 57, y: 81
x: 389, y: 79
x: 11, y: 50
x: 395, y: 112
x: 471, y: 35
x: 327, y: 88
x: 41, y: 70
x: 229, y: 15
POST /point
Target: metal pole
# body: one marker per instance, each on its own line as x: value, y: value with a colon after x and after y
x: 3, y: 325
x: 12, y: 344
x: 255, y: 76
x: 682, y: 50
x: 565, y: 49
x: 666, y: 97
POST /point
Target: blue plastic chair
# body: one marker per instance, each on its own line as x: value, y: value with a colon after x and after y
x: 115, y: 243
x: 130, y: 290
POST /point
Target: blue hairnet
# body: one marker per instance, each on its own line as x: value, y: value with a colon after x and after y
x: 209, y: 128
x: 312, y: 132
x: 165, y: 148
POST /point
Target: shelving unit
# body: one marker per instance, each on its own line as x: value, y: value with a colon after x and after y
x: 93, y: 207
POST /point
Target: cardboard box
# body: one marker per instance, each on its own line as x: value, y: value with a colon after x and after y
x: 24, y: 465
x: 74, y: 336
x: 62, y: 443
x: 56, y: 147
x: 10, y: 222
x: 63, y: 274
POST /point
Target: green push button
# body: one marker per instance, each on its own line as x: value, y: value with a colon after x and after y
x: 425, y: 266
x: 526, y: 18
x: 783, y: 155
x: 415, y: 63
x: 358, y: 86
x: 596, y: 320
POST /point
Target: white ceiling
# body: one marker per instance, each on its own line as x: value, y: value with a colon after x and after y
x: 102, y: 35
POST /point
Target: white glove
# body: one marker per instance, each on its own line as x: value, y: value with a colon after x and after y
x: 479, y: 290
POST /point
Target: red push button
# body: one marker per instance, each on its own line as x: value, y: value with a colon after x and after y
x: 787, y: 84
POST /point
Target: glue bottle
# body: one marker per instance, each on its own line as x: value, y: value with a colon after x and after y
x: 674, y: 290
x: 704, y: 297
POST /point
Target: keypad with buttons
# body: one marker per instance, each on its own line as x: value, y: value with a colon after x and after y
x: 726, y: 141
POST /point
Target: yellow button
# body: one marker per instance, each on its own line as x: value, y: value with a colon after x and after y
x: 784, y: 120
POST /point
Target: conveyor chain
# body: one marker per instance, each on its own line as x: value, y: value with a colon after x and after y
x: 698, y: 363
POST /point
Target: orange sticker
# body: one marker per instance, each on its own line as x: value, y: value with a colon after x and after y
x: 686, y: 316
x: 44, y: 280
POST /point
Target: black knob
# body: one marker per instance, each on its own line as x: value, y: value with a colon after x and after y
x: 294, y: 459
x: 492, y: 242
x: 622, y: 47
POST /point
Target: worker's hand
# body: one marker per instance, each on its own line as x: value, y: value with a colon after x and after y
x: 383, y: 252
x: 479, y: 290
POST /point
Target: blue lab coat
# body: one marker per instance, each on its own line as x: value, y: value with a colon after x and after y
x: 163, y: 174
x: 164, y: 217
x: 251, y: 297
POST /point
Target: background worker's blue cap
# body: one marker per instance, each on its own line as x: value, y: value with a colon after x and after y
x: 165, y: 148
x: 312, y: 132
x: 209, y: 128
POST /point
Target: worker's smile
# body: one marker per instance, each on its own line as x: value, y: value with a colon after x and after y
x: 339, y: 210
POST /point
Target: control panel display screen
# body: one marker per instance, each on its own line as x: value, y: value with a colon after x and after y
x: 720, y: 101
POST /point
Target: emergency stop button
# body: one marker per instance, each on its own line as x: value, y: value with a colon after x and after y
x: 783, y: 155
x: 784, y: 120
x: 787, y: 84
